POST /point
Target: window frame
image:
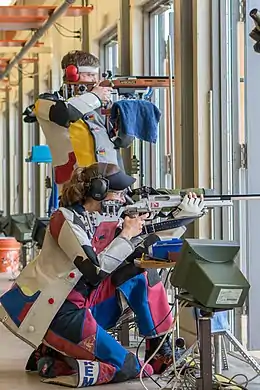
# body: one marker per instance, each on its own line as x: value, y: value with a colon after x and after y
x: 3, y: 163
x: 160, y: 152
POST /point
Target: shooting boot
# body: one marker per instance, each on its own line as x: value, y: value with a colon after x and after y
x: 50, y: 367
x: 36, y: 355
x: 163, y: 358
x: 48, y: 362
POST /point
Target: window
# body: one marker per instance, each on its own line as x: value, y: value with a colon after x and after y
x: 161, y: 155
x: 3, y: 165
x: 31, y: 167
x: 228, y: 129
x: 109, y: 58
x: 14, y: 148
x: 225, y: 132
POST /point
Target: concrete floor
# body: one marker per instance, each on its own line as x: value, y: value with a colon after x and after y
x: 13, y: 357
x: 14, y: 354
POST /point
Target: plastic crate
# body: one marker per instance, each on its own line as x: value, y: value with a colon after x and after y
x: 161, y: 249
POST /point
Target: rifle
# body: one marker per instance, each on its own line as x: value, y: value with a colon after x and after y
x: 124, y: 85
x: 159, y: 203
x: 162, y: 205
x: 156, y: 204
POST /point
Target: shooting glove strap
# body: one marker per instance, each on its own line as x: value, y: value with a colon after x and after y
x: 166, y: 225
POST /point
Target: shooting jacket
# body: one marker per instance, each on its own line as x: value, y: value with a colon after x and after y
x: 72, y: 250
x: 75, y: 133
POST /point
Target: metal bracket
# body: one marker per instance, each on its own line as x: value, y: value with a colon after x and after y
x: 165, y: 50
x: 168, y: 163
x: 243, y: 156
x: 135, y: 165
x: 242, y: 10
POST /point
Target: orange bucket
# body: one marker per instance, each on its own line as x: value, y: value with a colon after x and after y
x: 9, y: 254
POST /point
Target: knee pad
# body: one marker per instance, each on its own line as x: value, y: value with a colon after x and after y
x: 122, y: 274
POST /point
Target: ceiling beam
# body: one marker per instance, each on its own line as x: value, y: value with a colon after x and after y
x: 32, y: 17
x: 33, y: 50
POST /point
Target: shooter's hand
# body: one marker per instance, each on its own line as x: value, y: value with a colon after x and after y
x: 103, y: 93
x: 190, y: 207
x: 132, y: 227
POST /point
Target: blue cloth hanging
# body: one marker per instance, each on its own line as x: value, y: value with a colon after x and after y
x: 54, y: 199
x: 136, y: 118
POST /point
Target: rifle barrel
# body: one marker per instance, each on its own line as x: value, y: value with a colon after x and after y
x: 233, y: 197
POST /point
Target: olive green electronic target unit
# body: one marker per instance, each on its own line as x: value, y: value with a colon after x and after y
x: 206, y: 272
x: 39, y: 230
x: 19, y: 226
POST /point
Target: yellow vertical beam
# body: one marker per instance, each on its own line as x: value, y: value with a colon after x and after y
x: 178, y: 94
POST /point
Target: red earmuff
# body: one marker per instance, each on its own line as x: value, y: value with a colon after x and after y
x: 71, y: 73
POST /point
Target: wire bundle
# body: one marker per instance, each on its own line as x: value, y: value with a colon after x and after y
x: 184, y: 374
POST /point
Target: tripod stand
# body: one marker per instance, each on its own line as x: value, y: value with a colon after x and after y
x: 220, y: 354
x: 205, y: 380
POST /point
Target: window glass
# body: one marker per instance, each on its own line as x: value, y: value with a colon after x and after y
x: 111, y: 56
x: 14, y: 159
x: 228, y: 130
x: 3, y: 165
x: 31, y: 167
x: 161, y: 154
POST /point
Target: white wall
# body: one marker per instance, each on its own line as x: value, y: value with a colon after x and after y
x: 104, y: 18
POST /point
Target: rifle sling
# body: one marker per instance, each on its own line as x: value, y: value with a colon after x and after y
x: 166, y: 225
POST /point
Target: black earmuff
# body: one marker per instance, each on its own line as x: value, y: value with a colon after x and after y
x: 98, y: 188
